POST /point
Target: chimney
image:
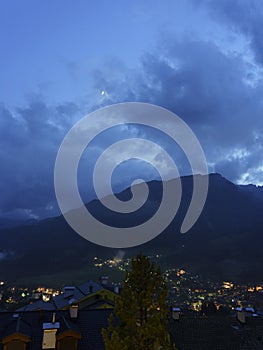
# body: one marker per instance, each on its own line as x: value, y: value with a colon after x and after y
x: 241, y: 315
x: 176, y: 311
x: 68, y: 291
x: 104, y: 280
x: 49, y: 333
x: 73, y: 311
x: 116, y: 288
x: 90, y: 289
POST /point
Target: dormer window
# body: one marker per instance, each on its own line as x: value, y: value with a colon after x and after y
x: 15, y: 341
x: 68, y: 340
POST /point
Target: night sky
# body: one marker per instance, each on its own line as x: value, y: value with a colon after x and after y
x: 60, y: 60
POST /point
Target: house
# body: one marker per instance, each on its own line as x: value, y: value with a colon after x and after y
x: 80, y: 329
x: 90, y: 295
x: 45, y: 329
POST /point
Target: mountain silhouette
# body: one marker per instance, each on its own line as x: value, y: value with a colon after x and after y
x: 225, y: 242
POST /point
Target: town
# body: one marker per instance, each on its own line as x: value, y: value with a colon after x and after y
x: 186, y: 291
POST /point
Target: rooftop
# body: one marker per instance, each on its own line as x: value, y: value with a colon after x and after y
x: 217, y: 333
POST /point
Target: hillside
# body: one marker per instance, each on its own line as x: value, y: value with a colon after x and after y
x: 225, y: 242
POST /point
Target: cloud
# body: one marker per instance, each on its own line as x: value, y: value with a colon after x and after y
x: 211, y: 78
x: 243, y: 17
x: 30, y: 137
x: 6, y: 255
x: 206, y: 86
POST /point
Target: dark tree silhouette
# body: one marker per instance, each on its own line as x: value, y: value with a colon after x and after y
x: 141, y: 311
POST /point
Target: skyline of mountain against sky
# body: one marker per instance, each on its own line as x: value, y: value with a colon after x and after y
x: 61, y: 61
x: 224, y: 243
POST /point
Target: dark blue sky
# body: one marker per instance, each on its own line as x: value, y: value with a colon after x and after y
x: 60, y: 60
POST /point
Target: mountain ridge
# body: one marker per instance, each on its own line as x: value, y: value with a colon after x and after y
x: 224, y: 243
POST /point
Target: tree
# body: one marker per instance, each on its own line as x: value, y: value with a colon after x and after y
x: 141, y: 311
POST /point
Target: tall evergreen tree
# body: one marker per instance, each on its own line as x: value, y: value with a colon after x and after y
x: 141, y: 311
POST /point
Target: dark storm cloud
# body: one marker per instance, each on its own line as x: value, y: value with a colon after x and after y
x: 208, y: 83
x: 244, y: 17
x: 29, y: 139
x: 209, y: 87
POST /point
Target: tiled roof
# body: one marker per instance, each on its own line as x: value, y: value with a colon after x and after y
x: 100, y: 304
x: 189, y: 333
x: 217, y: 333
x: 38, y: 305
x: 90, y: 286
x: 67, y: 298
x: 15, y: 324
x: 70, y: 295
x: 92, y: 337
x: 66, y: 324
x: 88, y: 324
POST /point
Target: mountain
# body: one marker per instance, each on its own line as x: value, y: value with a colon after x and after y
x: 7, y: 223
x: 225, y: 242
x: 253, y: 189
